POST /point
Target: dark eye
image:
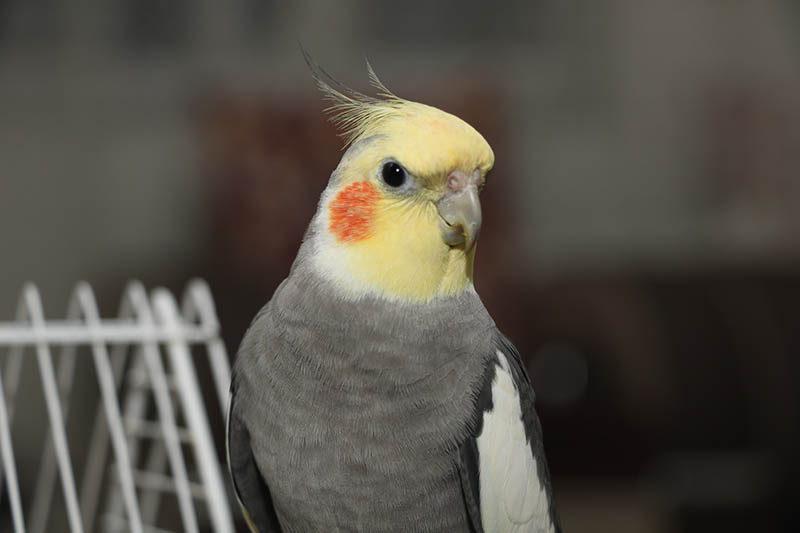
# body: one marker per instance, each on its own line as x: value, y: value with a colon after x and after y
x: 393, y: 174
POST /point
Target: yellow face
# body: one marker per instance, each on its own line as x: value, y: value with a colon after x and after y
x: 382, y: 215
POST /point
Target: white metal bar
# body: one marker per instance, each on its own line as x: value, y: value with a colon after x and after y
x: 163, y: 483
x: 199, y: 304
x: 138, y: 379
x: 92, y: 480
x: 46, y: 480
x: 156, y: 462
x: 9, y: 467
x: 105, y: 377
x: 145, y: 429
x: 111, y: 331
x: 192, y: 401
x: 34, y: 308
x: 134, y: 407
x: 98, y: 449
x: 13, y: 372
x: 169, y: 427
x: 114, y: 523
x: 95, y: 464
x: 14, y: 364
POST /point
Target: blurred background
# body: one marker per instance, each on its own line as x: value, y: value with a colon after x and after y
x: 641, y: 244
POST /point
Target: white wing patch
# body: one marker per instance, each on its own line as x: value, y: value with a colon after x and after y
x: 512, y: 498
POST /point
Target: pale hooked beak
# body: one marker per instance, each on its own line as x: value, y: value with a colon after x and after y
x: 460, y: 210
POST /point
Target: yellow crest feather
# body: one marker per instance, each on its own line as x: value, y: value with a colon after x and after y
x: 356, y: 114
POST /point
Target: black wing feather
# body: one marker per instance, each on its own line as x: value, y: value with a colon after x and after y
x: 251, y: 490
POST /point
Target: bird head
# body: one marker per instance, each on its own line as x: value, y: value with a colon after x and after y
x: 401, y: 214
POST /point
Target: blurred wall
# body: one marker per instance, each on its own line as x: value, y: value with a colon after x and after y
x: 642, y: 132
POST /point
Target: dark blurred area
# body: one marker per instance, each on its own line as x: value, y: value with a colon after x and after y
x: 641, y: 243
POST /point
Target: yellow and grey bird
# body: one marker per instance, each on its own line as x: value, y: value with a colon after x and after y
x: 374, y: 392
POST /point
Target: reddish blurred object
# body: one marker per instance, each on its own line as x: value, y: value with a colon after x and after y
x: 268, y: 161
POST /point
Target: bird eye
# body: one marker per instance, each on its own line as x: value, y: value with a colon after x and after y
x: 393, y: 174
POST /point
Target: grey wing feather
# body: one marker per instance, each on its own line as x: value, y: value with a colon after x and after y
x: 248, y: 484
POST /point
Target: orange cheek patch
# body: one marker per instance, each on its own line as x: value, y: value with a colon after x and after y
x: 351, y: 212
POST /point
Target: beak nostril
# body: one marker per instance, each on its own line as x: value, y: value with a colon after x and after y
x: 453, y: 183
x: 457, y: 179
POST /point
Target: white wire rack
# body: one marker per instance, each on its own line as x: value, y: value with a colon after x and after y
x: 152, y: 414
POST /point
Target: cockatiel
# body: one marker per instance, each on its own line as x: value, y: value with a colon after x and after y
x: 374, y: 392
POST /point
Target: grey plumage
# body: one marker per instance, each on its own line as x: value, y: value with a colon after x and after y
x: 356, y: 409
